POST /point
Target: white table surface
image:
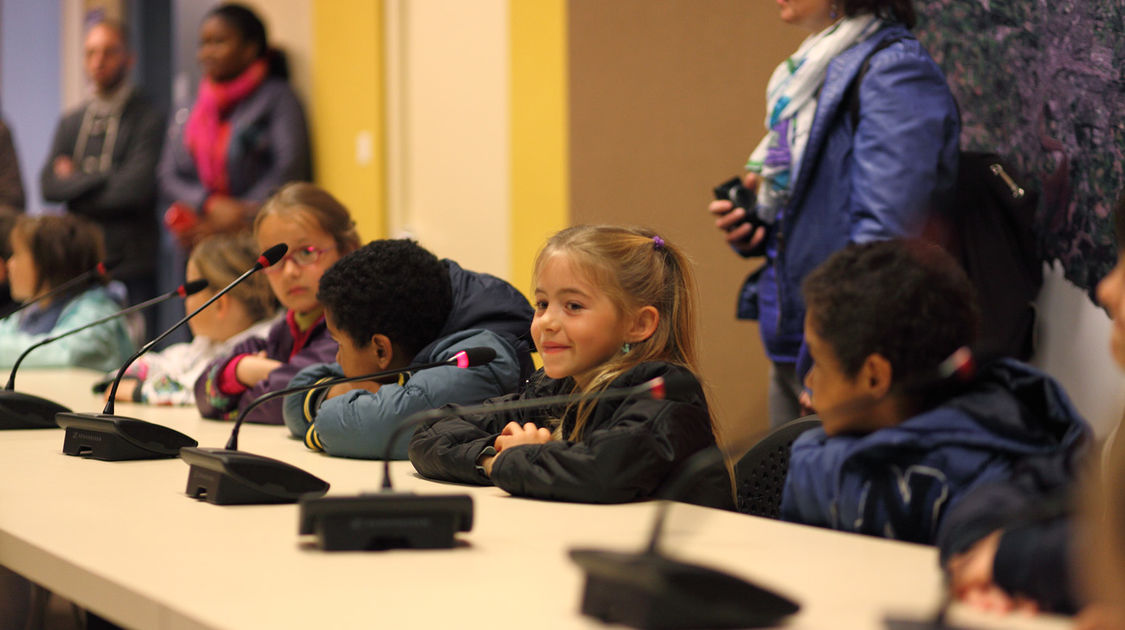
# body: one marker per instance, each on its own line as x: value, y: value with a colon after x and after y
x: 122, y: 539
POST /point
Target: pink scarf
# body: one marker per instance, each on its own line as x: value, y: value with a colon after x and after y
x: 207, y: 133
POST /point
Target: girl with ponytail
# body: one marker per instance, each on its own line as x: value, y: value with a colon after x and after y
x: 614, y: 308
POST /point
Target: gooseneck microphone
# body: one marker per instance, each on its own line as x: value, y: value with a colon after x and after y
x: 390, y: 520
x: 227, y: 476
x: 26, y: 411
x: 108, y: 437
x: 98, y: 273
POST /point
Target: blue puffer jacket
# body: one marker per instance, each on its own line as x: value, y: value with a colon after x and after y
x: 875, y: 181
x: 360, y: 423
x: 486, y: 312
x: 901, y: 481
x: 481, y: 300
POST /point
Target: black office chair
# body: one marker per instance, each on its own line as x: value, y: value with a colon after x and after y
x: 760, y: 474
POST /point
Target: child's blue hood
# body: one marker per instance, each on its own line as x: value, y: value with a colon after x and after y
x: 485, y: 302
x: 900, y: 481
x: 1021, y: 409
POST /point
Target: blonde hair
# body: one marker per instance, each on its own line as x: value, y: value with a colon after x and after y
x: 634, y: 268
x: 222, y: 258
x: 318, y: 204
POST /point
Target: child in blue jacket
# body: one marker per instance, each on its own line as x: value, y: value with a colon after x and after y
x: 901, y: 442
x: 46, y: 252
x: 392, y: 304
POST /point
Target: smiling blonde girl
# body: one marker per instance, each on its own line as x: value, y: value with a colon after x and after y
x: 614, y: 308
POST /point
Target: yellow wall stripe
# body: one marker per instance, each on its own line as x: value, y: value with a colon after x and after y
x: 347, y: 108
x: 539, y: 129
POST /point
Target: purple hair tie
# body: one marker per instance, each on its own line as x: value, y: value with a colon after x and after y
x: 657, y: 242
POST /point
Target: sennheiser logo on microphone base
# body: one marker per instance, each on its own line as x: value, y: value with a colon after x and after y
x: 88, y: 437
x: 406, y: 523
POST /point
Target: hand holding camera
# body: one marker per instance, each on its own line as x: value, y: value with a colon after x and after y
x: 734, y: 209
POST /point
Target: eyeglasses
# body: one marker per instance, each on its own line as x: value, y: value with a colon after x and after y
x: 302, y: 257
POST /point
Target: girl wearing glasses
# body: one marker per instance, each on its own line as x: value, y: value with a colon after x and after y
x: 318, y: 230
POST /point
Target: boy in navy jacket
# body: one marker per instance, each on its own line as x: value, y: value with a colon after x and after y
x: 903, y: 439
x: 392, y: 304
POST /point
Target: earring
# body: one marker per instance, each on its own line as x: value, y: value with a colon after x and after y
x: 626, y: 347
x: 834, y: 12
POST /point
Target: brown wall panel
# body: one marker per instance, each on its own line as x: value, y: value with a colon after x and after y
x: 667, y: 100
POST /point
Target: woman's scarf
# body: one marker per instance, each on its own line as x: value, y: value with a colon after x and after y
x: 791, y: 99
x: 207, y: 133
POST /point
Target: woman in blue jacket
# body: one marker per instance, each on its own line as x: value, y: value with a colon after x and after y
x: 825, y: 178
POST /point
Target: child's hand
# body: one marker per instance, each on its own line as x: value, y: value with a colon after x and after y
x: 971, y: 570
x: 515, y: 435
x: 125, y: 389
x: 970, y: 577
x: 255, y: 368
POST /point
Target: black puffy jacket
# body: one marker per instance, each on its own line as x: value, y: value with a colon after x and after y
x: 630, y: 448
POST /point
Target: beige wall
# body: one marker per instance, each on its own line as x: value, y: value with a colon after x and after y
x: 287, y: 23
x: 447, y: 124
x: 666, y: 100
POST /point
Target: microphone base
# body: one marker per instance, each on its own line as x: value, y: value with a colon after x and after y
x: 390, y: 520
x: 649, y: 590
x: 25, y: 411
x: 893, y: 622
x: 118, y: 438
x: 226, y: 477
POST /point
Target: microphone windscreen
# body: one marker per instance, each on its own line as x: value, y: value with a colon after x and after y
x: 476, y: 356
x: 193, y: 287
x: 679, y: 385
x: 107, y: 266
x: 272, y: 255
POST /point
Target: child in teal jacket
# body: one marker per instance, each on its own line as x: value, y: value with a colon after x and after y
x: 46, y: 252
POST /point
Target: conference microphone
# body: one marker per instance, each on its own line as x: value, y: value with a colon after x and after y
x: 228, y: 476
x: 648, y: 589
x: 391, y: 520
x: 26, y: 411
x: 109, y: 437
x: 98, y: 273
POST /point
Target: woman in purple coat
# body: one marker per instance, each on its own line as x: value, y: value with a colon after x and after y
x: 244, y: 137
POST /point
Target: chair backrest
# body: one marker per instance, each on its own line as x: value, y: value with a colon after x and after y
x: 760, y: 474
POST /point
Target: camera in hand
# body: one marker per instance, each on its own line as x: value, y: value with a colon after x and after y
x: 740, y: 196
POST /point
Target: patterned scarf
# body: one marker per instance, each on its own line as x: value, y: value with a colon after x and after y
x: 791, y: 99
x: 207, y: 133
